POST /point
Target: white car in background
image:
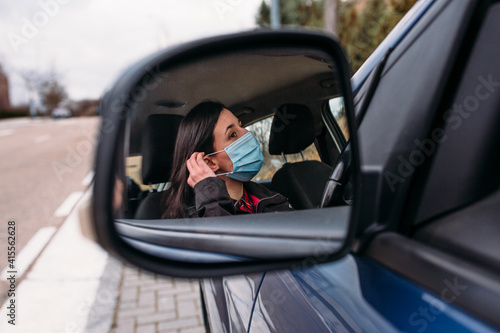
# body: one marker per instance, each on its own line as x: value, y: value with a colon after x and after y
x: 61, y: 113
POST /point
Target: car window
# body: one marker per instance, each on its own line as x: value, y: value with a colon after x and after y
x: 272, y: 163
x: 337, y: 108
x: 468, y: 139
x: 133, y: 165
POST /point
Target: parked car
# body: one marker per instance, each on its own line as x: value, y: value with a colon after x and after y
x: 61, y: 113
x: 396, y: 225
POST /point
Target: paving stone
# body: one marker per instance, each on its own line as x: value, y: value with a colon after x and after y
x: 180, y: 282
x: 133, y: 284
x: 188, y: 296
x: 153, y: 303
x: 198, y: 303
x: 178, y: 324
x: 166, y: 303
x: 130, y: 279
x: 193, y: 330
x: 145, y: 276
x: 128, y: 295
x: 151, y: 287
x: 186, y: 309
x: 125, y: 326
x: 126, y: 305
x: 146, y: 328
x: 176, y: 290
x: 146, y: 299
x: 136, y: 312
x: 166, y: 283
x: 157, y: 317
x: 130, y: 271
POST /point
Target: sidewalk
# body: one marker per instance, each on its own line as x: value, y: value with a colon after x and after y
x: 74, y: 286
x: 149, y: 303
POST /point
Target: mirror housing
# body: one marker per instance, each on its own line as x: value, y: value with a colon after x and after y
x: 325, y: 240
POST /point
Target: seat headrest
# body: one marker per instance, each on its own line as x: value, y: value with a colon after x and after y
x: 158, y: 144
x: 292, y: 129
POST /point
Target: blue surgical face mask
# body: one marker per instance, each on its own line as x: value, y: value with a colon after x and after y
x: 246, y: 156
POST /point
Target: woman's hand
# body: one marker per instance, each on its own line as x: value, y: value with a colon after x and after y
x: 198, y: 169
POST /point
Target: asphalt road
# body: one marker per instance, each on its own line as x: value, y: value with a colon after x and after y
x: 42, y: 162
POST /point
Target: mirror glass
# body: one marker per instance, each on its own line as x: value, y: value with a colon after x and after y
x: 289, y: 98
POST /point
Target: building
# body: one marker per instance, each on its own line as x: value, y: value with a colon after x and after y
x: 4, y: 91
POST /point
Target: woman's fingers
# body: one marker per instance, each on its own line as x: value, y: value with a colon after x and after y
x: 201, y: 161
x: 192, y: 171
x: 197, y: 162
x: 198, y: 169
x: 192, y: 161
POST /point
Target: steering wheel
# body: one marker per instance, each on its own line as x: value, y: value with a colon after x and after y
x: 337, y: 189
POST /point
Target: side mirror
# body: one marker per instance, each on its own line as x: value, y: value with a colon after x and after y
x: 254, y: 74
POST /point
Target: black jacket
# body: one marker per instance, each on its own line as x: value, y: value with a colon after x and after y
x: 212, y: 199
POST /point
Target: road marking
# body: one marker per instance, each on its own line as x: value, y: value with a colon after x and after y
x: 68, y: 204
x: 67, y: 121
x: 61, y: 289
x: 21, y: 123
x: 6, y: 132
x: 42, y: 138
x: 31, y: 251
x: 88, y: 179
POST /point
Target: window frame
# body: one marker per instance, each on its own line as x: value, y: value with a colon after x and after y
x: 427, y: 262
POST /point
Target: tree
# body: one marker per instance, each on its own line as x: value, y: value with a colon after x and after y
x: 51, y: 92
x: 364, y: 30
x: 294, y: 12
x: 263, y: 18
x: 399, y: 9
x: 360, y: 24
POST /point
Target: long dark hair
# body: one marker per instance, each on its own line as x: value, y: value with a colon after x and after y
x: 195, y: 135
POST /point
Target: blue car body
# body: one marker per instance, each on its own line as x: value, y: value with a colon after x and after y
x: 356, y: 293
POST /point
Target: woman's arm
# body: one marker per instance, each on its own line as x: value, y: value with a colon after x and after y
x: 211, y: 196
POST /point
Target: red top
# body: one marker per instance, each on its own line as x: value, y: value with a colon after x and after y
x: 247, y: 202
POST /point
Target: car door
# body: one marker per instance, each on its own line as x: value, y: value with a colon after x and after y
x: 448, y: 234
x: 229, y: 301
x: 424, y: 273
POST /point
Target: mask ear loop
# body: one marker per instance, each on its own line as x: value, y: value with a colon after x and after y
x: 220, y: 151
x: 223, y: 174
x: 219, y: 174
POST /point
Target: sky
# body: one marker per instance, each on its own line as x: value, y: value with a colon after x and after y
x: 89, y: 42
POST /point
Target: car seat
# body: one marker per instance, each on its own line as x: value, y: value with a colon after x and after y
x: 302, y: 182
x: 157, y: 149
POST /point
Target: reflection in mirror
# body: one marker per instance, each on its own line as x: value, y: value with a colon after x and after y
x: 337, y: 108
x: 288, y: 98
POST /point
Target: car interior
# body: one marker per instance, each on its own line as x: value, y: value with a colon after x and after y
x: 285, y: 94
